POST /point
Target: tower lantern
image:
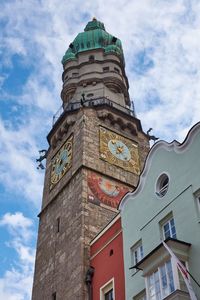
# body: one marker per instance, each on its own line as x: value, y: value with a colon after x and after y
x: 94, y: 63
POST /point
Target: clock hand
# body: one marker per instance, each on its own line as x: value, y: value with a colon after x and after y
x: 120, y: 149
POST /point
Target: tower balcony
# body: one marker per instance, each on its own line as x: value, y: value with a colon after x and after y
x: 89, y: 103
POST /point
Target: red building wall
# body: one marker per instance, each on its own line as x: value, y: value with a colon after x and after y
x: 107, y: 260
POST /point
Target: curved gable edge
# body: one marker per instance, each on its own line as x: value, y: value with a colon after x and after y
x: 173, y: 146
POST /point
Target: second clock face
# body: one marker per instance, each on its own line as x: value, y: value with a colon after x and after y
x: 61, y: 162
x: 119, y: 150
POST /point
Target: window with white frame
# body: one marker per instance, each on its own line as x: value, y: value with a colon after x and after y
x: 161, y: 282
x: 137, y: 253
x: 140, y: 296
x: 109, y: 295
x: 107, y: 291
x: 162, y: 185
x: 198, y: 201
x: 169, y: 229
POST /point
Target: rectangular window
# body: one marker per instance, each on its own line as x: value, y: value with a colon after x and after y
x: 109, y: 295
x: 107, y: 291
x: 169, y: 229
x: 54, y: 296
x: 198, y: 199
x: 140, y: 296
x: 198, y: 202
x: 105, y: 69
x: 75, y: 74
x: 161, y: 282
x: 137, y: 253
x: 116, y: 70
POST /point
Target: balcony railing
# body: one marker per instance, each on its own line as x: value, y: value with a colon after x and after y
x: 91, y: 103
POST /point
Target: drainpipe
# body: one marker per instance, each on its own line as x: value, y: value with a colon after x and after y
x: 88, y: 281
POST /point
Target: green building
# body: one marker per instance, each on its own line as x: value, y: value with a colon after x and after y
x: 164, y: 206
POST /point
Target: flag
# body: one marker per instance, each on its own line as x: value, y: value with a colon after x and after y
x: 183, y: 270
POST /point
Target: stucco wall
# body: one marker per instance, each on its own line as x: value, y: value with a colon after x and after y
x: 143, y: 210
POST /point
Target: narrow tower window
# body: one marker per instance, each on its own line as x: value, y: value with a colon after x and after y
x: 91, y: 58
x: 116, y: 70
x: 54, y: 296
x: 105, y: 69
x: 58, y: 224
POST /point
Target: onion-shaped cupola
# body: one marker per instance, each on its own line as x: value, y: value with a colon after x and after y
x: 94, y: 66
x: 94, y: 37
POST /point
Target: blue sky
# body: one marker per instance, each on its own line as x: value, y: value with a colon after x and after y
x: 161, y: 42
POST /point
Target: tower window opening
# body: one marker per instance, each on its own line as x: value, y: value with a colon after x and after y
x: 54, y: 296
x: 105, y: 69
x: 116, y: 70
x: 111, y: 252
x: 75, y: 74
x: 58, y: 224
x: 90, y: 95
x: 91, y: 58
x: 114, y: 39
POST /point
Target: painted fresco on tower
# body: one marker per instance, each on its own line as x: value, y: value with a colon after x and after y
x: 103, y: 191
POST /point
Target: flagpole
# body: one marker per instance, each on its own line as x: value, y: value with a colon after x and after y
x: 184, y: 272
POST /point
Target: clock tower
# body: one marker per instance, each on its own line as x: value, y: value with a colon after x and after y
x: 96, y: 151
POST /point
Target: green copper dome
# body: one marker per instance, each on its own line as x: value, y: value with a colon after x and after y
x: 93, y: 37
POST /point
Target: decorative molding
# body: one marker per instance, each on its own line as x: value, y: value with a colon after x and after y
x: 113, y: 119
x: 62, y: 130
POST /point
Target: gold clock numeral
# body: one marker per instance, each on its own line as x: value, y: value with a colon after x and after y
x: 54, y: 178
x: 113, y: 159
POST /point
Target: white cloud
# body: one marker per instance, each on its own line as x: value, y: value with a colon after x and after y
x: 16, y: 282
x: 18, y: 225
x: 17, y: 161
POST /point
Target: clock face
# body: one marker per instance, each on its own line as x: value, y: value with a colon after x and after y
x: 61, y: 162
x: 119, y: 151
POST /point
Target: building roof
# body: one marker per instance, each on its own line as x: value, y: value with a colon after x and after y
x: 157, y: 251
x: 94, y: 37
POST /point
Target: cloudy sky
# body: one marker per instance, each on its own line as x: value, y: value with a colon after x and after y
x: 161, y: 42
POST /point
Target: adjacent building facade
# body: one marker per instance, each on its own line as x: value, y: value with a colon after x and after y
x: 165, y: 206
x: 108, y: 263
x: 97, y: 149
